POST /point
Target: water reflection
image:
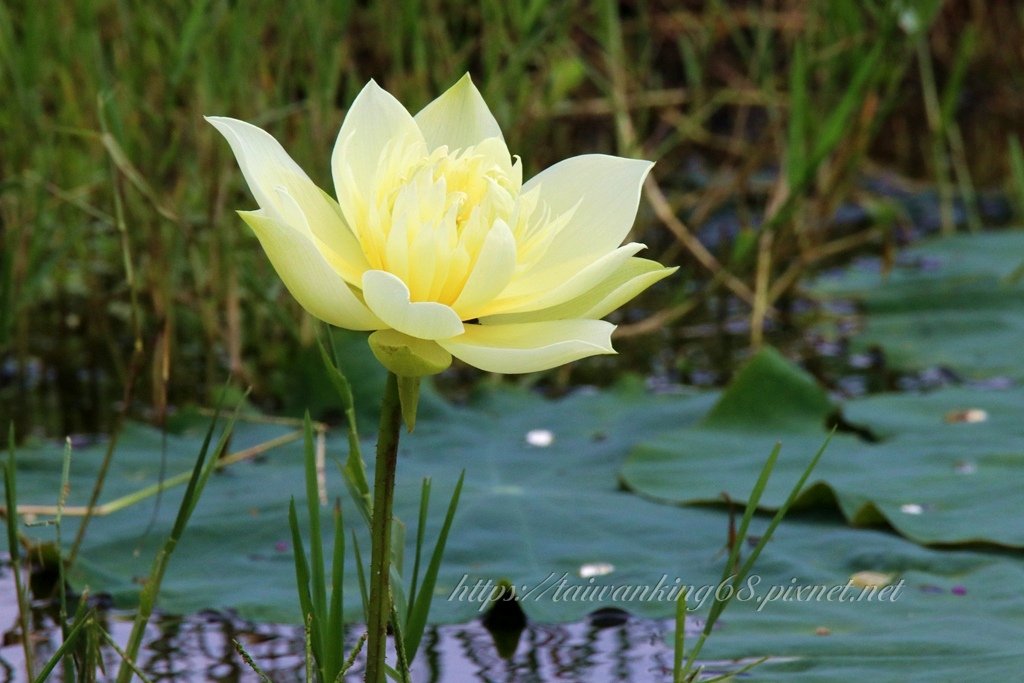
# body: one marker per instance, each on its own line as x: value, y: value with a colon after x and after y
x: 609, y: 646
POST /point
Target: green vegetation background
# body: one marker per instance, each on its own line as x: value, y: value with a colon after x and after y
x: 126, y: 279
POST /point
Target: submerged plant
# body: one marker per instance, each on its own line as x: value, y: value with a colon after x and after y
x: 437, y: 246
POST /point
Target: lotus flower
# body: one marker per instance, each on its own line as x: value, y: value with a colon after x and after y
x: 437, y: 245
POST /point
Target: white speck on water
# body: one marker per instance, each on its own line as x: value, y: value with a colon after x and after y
x: 592, y: 569
x: 911, y: 509
x: 540, y: 438
x: 969, y: 416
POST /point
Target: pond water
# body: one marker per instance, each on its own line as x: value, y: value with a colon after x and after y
x: 609, y: 646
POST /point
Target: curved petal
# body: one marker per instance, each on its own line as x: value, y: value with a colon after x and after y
x: 309, y: 278
x: 491, y: 274
x: 303, y: 206
x: 388, y: 298
x: 375, y: 121
x: 633, y: 277
x: 459, y: 118
x: 532, y: 292
x: 602, y: 192
x: 530, y: 347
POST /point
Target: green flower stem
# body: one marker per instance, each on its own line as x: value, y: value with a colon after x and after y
x: 380, y: 539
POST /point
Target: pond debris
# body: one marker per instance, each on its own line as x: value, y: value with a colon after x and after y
x: 592, y: 569
x: 540, y: 438
x: 911, y: 509
x: 608, y: 617
x: 505, y: 620
x: 823, y: 631
x: 965, y: 467
x: 871, y: 579
x: 968, y: 415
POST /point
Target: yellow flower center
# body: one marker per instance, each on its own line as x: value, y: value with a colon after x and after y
x: 429, y: 215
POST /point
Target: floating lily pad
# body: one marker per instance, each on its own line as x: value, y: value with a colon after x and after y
x: 528, y: 513
x: 547, y: 512
x: 935, y: 479
x: 955, y: 616
x: 955, y: 302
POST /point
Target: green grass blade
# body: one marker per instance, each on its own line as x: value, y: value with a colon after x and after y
x: 301, y: 567
x: 418, y: 614
x: 421, y: 530
x: 65, y: 488
x: 748, y: 515
x: 679, y: 639
x: 351, y: 659
x: 318, y: 581
x: 719, y: 605
x: 364, y: 593
x: 1017, y: 173
x: 799, y: 112
x: 250, y: 662
x: 11, y: 500
x: 354, y: 469
x: 335, y: 627
x: 70, y: 640
x: 147, y: 598
x: 783, y: 509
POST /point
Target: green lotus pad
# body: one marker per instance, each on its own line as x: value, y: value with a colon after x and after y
x: 956, y: 302
x: 947, y: 468
x: 540, y: 515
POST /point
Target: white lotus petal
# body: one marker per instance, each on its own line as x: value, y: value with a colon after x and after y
x: 530, y: 347
x: 309, y: 278
x: 375, y: 121
x: 388, y: 298
x: 491, y: 274
x: 603, y: 192
x: 532, y: 292
x: 459, y: 118
x: 269, y: 170
x: 632, y: 277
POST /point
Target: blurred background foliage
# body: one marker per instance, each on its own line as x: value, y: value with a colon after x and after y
x: 788, y: 134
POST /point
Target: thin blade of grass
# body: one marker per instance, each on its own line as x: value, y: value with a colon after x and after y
x: 421, y: 530
x: 354, y: 469
x: 418, y: 614
x: 125, y: 659
x: 364, y: 593
x: 14, y: 550
x: 719, y: 605
x: 351, y: 659
x: 679, y: 639
x: 335, y: 627
x: 783, y: 509
x: 748, y: 513
x: 1017, y: 173
x: 318, y: 581
x: 147, y: 598
x: 402, y: 670
x: 301, y: 567
x: 70, y: 640
x: 250, y: 662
